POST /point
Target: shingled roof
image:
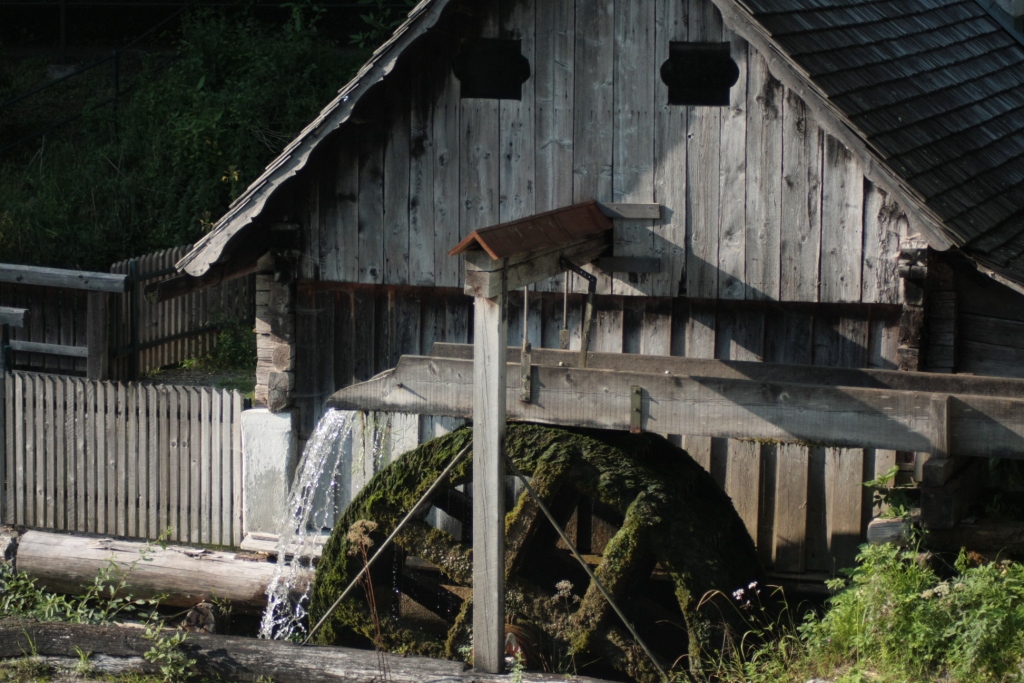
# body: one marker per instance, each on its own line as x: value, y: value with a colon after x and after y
x: 935, y: 88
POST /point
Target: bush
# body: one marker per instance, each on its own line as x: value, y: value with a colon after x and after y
x: 187, y: 142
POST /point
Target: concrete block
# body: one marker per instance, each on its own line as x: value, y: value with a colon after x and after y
x: 269, y: 450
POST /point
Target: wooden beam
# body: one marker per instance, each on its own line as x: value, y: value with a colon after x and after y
x: 761, y: 372
x: 484, y: 274
x: 52, y: 349
x: 180, y: 285
x: 706, y: 406
x: 15, y: 317
x: 488, y: 371
x: 630, y: 211
x: 629, y: 264
x: 96, y: 333
x: 59, y: 277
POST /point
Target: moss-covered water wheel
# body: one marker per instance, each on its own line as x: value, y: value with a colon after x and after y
x: 678, y: 537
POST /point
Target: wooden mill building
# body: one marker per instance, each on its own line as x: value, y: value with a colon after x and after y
x: 793, y: 182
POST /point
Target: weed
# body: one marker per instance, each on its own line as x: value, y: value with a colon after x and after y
x: 166, y: 653
x: 892, y: 501
x: 84, y: 667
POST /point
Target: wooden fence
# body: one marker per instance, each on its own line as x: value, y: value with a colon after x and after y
x: 126, y: 459
x: 169, y: 332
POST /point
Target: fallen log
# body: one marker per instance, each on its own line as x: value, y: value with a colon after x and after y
x: 116, y: 649
x: 65, y: 563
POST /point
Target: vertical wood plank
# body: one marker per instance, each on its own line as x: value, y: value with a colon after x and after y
x: 72, y: 455
x: 554, y: 85
x: 340, y: 252
x: 226, y: 462
x: 516, y: 165
x: 842, y: 226
x: 49, y: 448
x: 422, y: 250
x: 155, y: 464
x: 371, y: 205
x: 884, y: 222
x: 198, y: 479
x: 802, y: 142
x: 237, y: 521
x: 34, y: 453
x: 22, y: 462
x: 209, y: 519
x: 703, y: 161
x: 607, y: 335
x: 396, y: 181
x: 114, y: 467
x: 733, y: 181
x: 656, y: 334
x: 764, y: 180
x: 90, y: 421
x: 175, y: 518
x: 593, y: 105
x: 489, y: 334
x: 10, y: 416
x: 633, y: 122
x: 100, y: 427
x: 446, y: 140
x: 791, y: 508
x: 140, y: 454
x: 700, y: 343
x: 136, y: 465
x: 163, y: 432
x: 670, y: 179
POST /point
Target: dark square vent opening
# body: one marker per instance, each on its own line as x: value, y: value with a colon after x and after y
x: 699, y: 74
x: 491, y: 68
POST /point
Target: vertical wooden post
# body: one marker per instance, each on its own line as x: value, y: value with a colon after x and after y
x: 133, y: 317
x: 6, y: 516
x: 97, y: 365
x: 490, y: 335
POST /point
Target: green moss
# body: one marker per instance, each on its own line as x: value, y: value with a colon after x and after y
x: 673, y: 514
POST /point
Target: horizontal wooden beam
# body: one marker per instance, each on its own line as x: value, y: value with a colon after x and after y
x: 705, y: 406
x: 761, y: 372
x: 484, y: 274
x: 180, y: 285
x: 51, y: 349
x: 630, y: 211
x: 15, y: 317
x: 60, y: 277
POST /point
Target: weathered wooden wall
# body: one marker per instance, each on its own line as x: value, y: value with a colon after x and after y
x: 759, y: 202
x: 990, y: 327
x: 804, y: 505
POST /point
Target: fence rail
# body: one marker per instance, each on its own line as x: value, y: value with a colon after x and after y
x: 127, y: 459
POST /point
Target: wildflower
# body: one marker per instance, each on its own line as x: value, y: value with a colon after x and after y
x: 942, y: 589
x: 738, y: 594
x: 928, y: 594
x: 359, y: 536
x: 564, y: 588
x: 752, y: 586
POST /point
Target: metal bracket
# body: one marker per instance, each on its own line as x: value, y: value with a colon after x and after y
x: 526, y: 375
x: 636, y: 409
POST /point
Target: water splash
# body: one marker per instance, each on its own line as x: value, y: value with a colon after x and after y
x: 326, y: 476
x: 288, y: 591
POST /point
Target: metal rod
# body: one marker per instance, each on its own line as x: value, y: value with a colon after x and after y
x: 586, y: 567
x: 405, y: 520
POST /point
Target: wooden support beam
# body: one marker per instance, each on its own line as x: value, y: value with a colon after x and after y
x: 180, y: 285
x: 761, y: 372
x: 489, y: 396
x: 15, y: 317
x: 630, y: 211
x: 629, y: 264
x: 67, y: 279
x: 827, y: 414
x: 96, y: 336
x: 52, y: 349
x: 484, y: 274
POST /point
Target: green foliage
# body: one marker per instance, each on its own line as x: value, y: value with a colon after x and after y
x: 894, y: 501
x: 186, y: 143
x: 897, y: 621
x: 381, y: 20
x: 166, y: 653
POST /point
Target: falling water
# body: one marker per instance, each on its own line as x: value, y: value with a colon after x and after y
x: 311, y: 508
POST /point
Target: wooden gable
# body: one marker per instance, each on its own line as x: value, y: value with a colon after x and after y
x: 758, y: 201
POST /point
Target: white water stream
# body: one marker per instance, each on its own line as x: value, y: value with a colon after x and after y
x: 313, y: 505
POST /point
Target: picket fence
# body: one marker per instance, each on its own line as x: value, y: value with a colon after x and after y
x: 125, y: 459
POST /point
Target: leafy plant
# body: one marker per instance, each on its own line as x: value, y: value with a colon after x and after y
x: 381, y: 20
x: 893, y: 501
x: 166, y: 653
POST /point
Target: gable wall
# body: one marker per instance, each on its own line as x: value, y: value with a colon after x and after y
x: 759, y: 202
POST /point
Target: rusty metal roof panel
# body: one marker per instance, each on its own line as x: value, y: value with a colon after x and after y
x: 542, y: 231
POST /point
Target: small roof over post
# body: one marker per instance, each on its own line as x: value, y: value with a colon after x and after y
x: 531, y: 249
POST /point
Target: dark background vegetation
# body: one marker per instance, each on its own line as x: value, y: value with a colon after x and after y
x: 204, y: 104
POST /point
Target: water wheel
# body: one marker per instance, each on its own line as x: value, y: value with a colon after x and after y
x: 674, y: 536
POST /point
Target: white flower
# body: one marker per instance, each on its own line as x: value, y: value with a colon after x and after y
x: 738, y: 594
x: 753, y: 585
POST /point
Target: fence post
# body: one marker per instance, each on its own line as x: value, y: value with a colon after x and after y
x: 98, y: 363
x: 133, y: 317
x: 4, y: 516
